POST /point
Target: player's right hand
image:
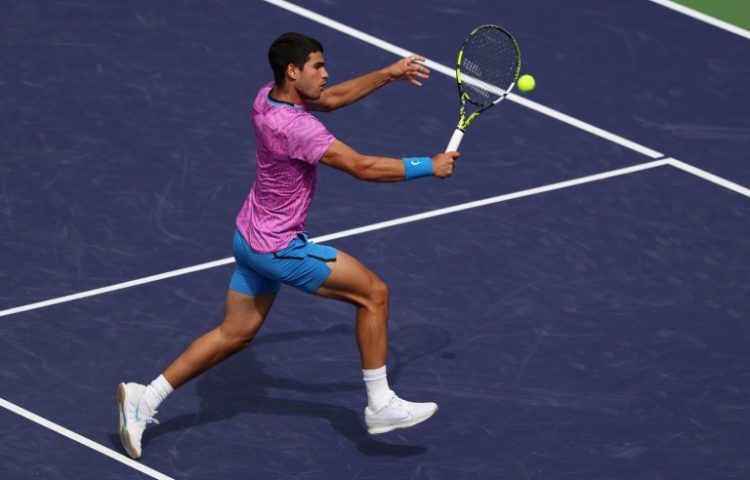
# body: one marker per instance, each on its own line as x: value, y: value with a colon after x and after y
x: 443, y: 164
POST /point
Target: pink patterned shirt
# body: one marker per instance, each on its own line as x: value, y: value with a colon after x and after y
x: 289, y: 144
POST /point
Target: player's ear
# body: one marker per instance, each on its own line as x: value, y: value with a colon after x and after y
x: 292, y: 71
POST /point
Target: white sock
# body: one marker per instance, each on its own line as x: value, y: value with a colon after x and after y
x: 378, y: 391
x: 156, y: 393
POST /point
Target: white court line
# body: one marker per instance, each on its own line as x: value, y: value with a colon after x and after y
x: 709, y: 176
x: 493, y: 200
x: 344, y: 233
x: 451, y: 72
x: 703, y: 17
x: 119, y: 286
x: 83, y: 440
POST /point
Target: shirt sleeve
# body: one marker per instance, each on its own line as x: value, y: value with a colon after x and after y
x: 308, y: 139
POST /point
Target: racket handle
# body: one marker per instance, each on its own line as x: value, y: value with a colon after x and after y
x: 455, y: 141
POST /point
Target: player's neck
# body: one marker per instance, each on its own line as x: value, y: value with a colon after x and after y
x: 287, y: 94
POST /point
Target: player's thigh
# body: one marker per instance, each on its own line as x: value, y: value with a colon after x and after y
x: 350, y: 280
x: 244, y: 314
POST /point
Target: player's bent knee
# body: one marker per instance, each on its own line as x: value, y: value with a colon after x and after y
x: 243, y: 339
x: 235, y: 340
x: 238, y: 343
x: 379, y: 294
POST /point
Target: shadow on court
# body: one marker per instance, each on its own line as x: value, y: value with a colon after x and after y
x: 240, y: 386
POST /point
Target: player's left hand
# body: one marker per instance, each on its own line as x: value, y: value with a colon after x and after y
x: 408, y: 69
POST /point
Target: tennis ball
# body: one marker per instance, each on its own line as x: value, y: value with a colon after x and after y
x: 526, y: 83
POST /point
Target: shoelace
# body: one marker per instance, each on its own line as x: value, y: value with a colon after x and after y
x: 151, y: 419
x: 146, y: 418
x: 396, y: 402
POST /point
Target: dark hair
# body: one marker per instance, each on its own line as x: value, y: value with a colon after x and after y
x: 291, y: 48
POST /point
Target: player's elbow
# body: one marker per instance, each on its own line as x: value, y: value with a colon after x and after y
x: 345, y: 159
x: 362, y: 174
x: 362, y: 169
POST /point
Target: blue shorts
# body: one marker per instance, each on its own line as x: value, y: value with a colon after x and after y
x: 301, y: 264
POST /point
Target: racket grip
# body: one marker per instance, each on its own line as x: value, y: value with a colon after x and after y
x: 455, y: 141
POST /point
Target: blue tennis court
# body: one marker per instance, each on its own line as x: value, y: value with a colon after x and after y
x: 575, y: 298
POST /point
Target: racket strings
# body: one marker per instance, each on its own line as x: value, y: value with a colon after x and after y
x: 489, y: 65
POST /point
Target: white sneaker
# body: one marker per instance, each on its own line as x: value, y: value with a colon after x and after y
x: 133, y: 417
x: 398, y: 414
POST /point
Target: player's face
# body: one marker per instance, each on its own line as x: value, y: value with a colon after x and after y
x: 313, y: 77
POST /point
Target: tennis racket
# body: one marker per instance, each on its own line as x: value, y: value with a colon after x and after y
x: 486, y: 71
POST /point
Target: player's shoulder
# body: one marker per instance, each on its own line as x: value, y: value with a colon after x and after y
x: 262, y: 95
x: 273, y: 115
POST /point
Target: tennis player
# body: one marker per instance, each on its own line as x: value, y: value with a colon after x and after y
x: 271, y: 246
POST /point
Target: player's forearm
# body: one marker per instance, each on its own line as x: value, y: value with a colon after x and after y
x: 348, y: 92
x: 379, y: 169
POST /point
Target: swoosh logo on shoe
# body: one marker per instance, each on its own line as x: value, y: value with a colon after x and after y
x: 138, y: 411
x: 390, y: 421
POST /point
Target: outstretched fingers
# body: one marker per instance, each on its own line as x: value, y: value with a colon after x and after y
x: 416, y: 69
x: 411, y: 69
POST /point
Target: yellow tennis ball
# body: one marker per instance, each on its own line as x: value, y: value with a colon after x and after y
x: 526, y: 83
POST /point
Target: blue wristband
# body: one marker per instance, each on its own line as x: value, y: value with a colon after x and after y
x: 417, y: 167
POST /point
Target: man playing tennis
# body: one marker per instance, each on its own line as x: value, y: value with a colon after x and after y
x: 271, y: 245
